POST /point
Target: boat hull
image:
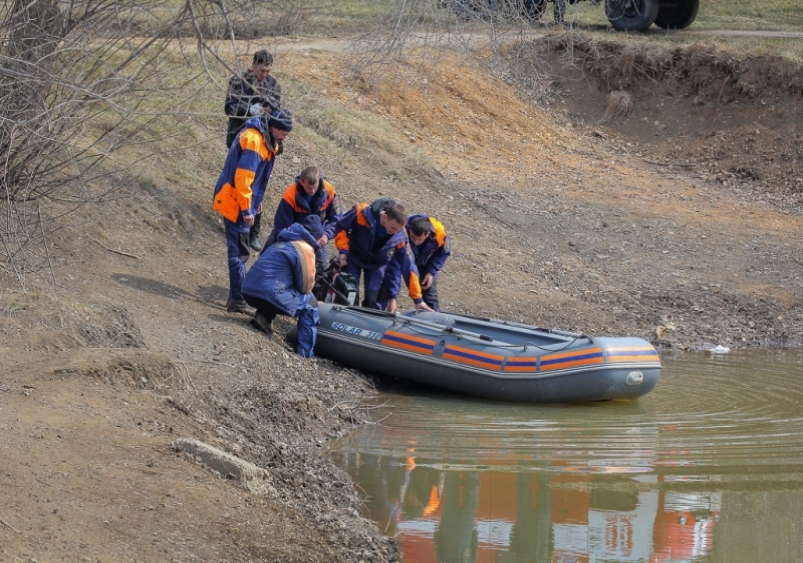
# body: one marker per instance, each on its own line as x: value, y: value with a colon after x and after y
x: 488, y: 358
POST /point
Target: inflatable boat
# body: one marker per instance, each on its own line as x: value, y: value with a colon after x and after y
x: 487, y: 357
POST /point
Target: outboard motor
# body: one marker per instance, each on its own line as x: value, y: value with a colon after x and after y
x: 335, y: 286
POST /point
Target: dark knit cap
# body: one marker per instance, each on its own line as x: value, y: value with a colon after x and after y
x: 313, y: 225
x: 281, y: 119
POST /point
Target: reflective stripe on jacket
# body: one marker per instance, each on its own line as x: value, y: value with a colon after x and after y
x: 284, y: 273
x: 293, y: 208
x: 355, y: 232
x: 430, y: 255
x: 242, y: 183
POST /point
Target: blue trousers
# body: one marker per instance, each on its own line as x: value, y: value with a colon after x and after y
x: 237, y: 250
x: 373, y: 282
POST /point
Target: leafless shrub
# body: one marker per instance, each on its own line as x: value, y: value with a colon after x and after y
x: 620, y: 104
x: 524, y: 65
x: 85, y: 88
x: 417, y: 31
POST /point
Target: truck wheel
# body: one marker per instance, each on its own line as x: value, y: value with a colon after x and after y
x: 534, y: 9
x: 676, y: 14
x: 631, y: 15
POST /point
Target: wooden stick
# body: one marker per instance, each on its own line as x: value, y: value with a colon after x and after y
x: 9, y: 526
x: 680, y: 164
x: 116, y: 251
x: 209, y: 362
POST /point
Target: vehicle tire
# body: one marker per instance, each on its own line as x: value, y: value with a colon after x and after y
x: 631, y: 15
x: 676, y: 14
x: 534, y: 9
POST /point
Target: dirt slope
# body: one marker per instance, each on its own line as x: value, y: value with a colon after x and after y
x: 601, y: 227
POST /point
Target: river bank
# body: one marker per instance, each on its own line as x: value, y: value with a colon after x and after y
x: 555, y: 220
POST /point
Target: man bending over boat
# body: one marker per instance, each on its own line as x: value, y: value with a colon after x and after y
x: 281, y: 280
x: 370, y: 240
x: 430, y: 246
x: 309, y: 194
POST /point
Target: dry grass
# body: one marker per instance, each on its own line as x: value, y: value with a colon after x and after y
x: 620, y: 104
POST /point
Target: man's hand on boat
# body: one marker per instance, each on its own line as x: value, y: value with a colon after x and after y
x: 391, y: 308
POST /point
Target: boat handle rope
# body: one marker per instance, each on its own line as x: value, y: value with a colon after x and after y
x: 527, y: 327
x: 573, y: 335
x: 460, y: 332
x: 486, y: 338
x: 408, y: 321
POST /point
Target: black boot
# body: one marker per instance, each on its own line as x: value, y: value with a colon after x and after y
x: 254, y: 243
x: 238, y: 306
x: 262, y: 322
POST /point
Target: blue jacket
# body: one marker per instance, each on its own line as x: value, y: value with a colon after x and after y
x: 293, y: 208
x: 430, y: 255
x: 283, y: 275
x: 355, y: 237
x: 249, y: 164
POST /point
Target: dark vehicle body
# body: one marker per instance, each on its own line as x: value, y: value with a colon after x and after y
x: 624, y: 15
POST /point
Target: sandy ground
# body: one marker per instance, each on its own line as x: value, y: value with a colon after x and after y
x: 676, y: 217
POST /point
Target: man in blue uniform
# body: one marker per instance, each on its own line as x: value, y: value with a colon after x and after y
x: 309, y: 194
x: 241, y: 187
x: 431, y: 247
x: 370, y: 240
x: 281, y: 281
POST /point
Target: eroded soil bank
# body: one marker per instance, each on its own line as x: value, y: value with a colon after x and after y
x: 678, y: 220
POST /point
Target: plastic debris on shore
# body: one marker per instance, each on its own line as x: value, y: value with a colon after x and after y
x: 719, y: 349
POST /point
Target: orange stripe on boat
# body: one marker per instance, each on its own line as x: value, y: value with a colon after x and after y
x: 521, y: 364
x: 632, y: 354
x: 572, y: 359
x: 407, y: 342
x: 473, y: 357
x: 634, y: 358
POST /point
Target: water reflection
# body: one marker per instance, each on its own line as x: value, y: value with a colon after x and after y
x: 453, y: 516
x: 708, y: 467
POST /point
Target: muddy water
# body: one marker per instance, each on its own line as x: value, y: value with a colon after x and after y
x: 707, y: 467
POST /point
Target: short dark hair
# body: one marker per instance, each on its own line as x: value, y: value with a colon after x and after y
x: 262, y: 57
x: 420, y: 226
x: 310, y: 174
x: 396, y: 212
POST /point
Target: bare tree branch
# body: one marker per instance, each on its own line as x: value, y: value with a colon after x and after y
x: 85, y: 90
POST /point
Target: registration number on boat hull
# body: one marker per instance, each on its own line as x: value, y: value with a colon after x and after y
x: 356, y: 331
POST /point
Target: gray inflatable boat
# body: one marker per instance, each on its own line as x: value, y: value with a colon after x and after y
x: 488, y: 357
